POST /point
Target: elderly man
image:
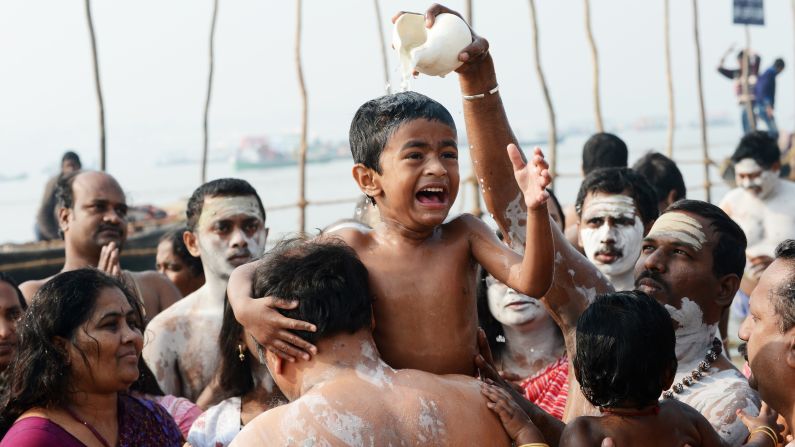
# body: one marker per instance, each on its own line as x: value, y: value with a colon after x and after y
x: 92, y: 216
x: 346, y: 395
x: 691, y: 261
x: 226, y: 228
x: 616, y: 208
x: 769, y: 332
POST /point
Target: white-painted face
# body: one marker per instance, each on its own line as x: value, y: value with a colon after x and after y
x: 511, y: 308
x: 231, y: 232
x: 753, y: 178
x: 611, y: 232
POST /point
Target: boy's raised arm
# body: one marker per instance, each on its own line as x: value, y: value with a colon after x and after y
x: 262, y: 321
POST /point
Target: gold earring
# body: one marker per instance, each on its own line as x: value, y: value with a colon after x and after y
x: 241, y: 356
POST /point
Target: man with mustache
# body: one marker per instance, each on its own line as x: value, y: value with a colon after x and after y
x: 615, y: 208
x: 769, y: 331
x: 226, y: 228
x: 92, y: 218
x: 691, y: 261
x: 761, y: 205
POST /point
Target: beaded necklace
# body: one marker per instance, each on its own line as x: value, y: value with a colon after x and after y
x: 703, y: 367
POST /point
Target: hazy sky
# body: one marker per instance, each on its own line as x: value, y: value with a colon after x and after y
x: 153, y: 63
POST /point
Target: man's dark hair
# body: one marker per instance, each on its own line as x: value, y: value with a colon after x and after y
x: 625, y: 350
x: 40, y: 375
x: 604, y: 150
x: 759, y: 146
x: 779, y: 64
x: 73, y: 157
x: 784, y: 295
x: 728, y: 254
x: 223, y: 187
x: 8, y: 279
x: 64, y: 194
x: 194, y: 263
x: 617, y: 181
x: 325, y: 277
x: 377, y: 119
x: 662, y: 174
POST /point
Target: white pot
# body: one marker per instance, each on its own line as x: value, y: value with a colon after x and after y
x: 432, y: 51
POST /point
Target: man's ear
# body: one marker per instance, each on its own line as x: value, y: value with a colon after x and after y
x: 192, y: 243
x: 790, y: 356
x: 727, y: 288
x: 274, y: 362
x: 670, y: 198
x: 367, y: 179
x: 776, y: 166
x: 63, y: 218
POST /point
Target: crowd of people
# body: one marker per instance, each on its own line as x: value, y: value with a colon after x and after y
x: 603, y: 323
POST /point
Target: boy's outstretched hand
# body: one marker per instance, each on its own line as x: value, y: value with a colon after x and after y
x: 533, y: 177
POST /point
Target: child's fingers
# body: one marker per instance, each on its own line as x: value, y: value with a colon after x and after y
x: 281, y: 303
x: 516, y: 157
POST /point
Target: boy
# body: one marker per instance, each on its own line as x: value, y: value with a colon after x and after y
x: 625, y: 359
x: 422, y: 268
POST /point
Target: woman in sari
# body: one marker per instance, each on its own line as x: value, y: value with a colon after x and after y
x: 78, y: 354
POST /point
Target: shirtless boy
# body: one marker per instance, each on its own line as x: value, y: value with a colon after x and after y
x: 329, y: 286
x: 625, y: 358
x: 422, y: 265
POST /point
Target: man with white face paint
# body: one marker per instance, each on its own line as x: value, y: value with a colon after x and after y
x: 615, y: 207
x: 691, y: 262
x: 761, y: 204
x: 226, y: 228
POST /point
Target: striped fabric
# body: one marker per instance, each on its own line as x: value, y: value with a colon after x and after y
x: 549, y: 387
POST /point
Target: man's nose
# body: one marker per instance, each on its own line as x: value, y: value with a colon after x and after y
x: 7, y: 328
x: 655, y: 261
x: 745, y: 328
x: 238, y: 238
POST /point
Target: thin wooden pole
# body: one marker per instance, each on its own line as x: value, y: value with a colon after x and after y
x: 745, y: 70
x: 595, y: 59
x: 702, y: 114
x: 97, y: 84
x: 302, y: 148
x: 209, y: 93
x: 382, y: 45
x: 669, y: 146
x: 468, y: 12
x: 552, y: 140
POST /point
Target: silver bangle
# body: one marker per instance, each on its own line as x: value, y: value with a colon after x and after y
x: 482, y: 95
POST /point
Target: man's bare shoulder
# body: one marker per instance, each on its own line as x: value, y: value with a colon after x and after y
x: 582, y: 431
x: 168, y: 319
x: 354, y: 236
x: 29, y: 288
x: 263, y: 429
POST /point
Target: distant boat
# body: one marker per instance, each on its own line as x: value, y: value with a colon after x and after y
x: 13, y: 178
x: 260, y: 152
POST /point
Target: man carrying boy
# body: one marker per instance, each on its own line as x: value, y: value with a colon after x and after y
x: 329, y: 286
x: 422, y: 265
x: 226, y: 228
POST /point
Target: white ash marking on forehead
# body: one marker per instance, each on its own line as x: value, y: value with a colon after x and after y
x: 681, y: 227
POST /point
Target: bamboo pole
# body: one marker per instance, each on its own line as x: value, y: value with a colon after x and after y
x: 553, y: 130
x: 302, y: 148
x: 97, y: 84
x: 793, y: 33
x: 669, y: 145
x: 468, y: 12
x: 209, y: 93
x: 382, y: 45
x: 702, y: 114
x: 595, y: 59
x: 745, y: 72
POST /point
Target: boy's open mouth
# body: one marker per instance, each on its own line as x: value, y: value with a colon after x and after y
x: 432, y: 195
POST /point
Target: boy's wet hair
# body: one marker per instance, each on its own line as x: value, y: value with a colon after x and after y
x: 377, y: 119
x: 625, y: 350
